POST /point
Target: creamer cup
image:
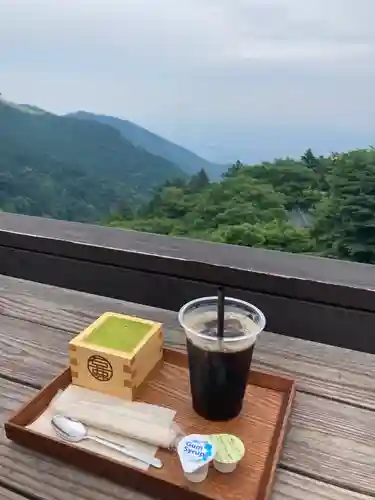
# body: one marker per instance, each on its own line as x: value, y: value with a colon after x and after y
x: 195, y: 452
x: 198, y: 476
x: 229, y: 451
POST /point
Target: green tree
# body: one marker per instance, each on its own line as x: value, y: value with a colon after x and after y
x: 198, y: 181
x: 239, y: 234
x: 310, y: 160
x: 291, y: 178
x: 233, y: 170
x: 255, y: 205
x: 345, y: 220
x: 317, y: 165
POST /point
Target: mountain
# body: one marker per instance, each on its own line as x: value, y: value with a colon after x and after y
x: 72, y: 169
x: 139, y: 136
x: 30, y: 109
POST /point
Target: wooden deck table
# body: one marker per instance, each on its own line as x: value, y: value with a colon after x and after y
x: 329, y: 453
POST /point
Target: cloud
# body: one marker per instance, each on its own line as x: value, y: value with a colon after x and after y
x: 196, y: 70
x: 192, y: 32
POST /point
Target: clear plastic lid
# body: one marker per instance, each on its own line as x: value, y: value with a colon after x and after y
x: 242, y: 323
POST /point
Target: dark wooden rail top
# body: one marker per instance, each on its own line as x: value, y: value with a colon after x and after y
x: 165, y: 271
x: 290, y: 275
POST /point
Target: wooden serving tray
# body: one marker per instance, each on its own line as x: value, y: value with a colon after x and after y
x: 261, y: 426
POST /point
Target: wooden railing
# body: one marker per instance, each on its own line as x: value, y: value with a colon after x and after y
x: 312, y: 298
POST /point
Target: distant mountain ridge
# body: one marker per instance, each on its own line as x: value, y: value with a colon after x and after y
x: 190, y: 162
x: 63, y: 167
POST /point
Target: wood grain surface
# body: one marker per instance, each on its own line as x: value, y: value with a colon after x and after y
x: 288, y: 486
x: 46, y: 477
x: 330, y: 448
x: 309, y: 320
x: 329, y: 440
x: 332, y: 441
x: 6, y: 494
x: 261, y: 427
x: 319, y: 369
x: 255, y: 427
x: 307, y: 277
x: 39, y: 475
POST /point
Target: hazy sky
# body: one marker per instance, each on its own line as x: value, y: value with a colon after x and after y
x: 229, y: 78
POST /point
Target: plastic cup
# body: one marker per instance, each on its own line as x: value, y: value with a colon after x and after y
x: 197, y: 476
x: 229, y: 452
x: 196, y: 452
x: 225, y: 468
x: 219, y: 367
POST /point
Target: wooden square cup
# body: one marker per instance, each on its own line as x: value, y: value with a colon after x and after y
x: 115, y: 354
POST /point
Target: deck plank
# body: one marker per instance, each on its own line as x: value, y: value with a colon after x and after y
x: 34, y: 474
x: 328, y: 440
x: 10, y: 495
x: 332, y: 441
x: 319, y: 369
x: 288, y: 486
x: 41, y: 476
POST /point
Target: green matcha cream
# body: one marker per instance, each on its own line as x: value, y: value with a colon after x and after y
x: 119, y: 334
x: 229, y: 451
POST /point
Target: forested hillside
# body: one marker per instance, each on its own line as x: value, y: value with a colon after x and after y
x: 139, y: 136
x: 71, y: 169
x: 256, y: 205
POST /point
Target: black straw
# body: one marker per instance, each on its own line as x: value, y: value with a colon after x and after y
x: 220, y: 313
